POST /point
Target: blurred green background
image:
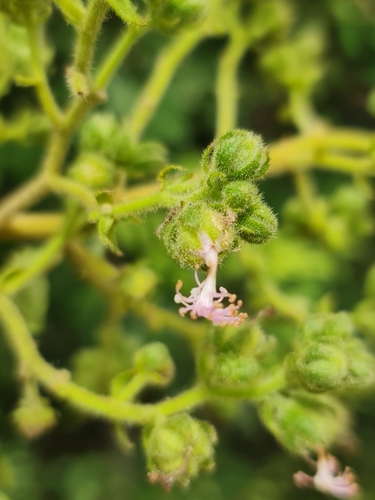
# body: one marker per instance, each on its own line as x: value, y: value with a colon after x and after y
x: 80, y: 460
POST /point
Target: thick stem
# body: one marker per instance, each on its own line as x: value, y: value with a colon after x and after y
x: 227, y: 84
x: 87, y: 35
x: 46, y: 98
x: 167, y: 63
x: 31, y: 226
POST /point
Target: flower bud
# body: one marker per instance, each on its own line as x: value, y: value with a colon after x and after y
x: 155, y: 358
x: 327, y: 327
x: 149, y: 157
x: 98, y: 132
x: 240, y: 155
x: 33, y: 417
x: 258, y: 225
x: 232, y: 370
x: 178, y: 448
x: 93, y: 170
x: 138, y: 281
x: 303, y: 422
x: 170, y: 16
x: 321, y: 367
x: 183, y: 233
x: 241, y: 196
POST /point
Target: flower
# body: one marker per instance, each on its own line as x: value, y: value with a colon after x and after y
x: 204, y: 300
x: 328, y: 478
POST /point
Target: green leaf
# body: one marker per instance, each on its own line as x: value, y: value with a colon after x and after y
x: 127, y: 12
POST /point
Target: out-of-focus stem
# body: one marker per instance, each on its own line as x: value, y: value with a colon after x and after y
x: 73, y: 11
x: 31, y: 226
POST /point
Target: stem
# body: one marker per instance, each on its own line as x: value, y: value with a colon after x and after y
x: 31, y: 225
x: 133, y: 387
x: 167, y: 63
x: 142, y: 204
x: 23, y: 197
x: 73, y: 189
x: 58, y: 381
x: 44, y: 257
x: 227, y: 83
x: 87, y: 35
x: 73, y: 11
x: 46, y: 98
x: 187, y: 400
x: 116, y: 55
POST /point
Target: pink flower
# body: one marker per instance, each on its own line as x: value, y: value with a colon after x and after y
x: 328, y: 478
x: 204, y: 300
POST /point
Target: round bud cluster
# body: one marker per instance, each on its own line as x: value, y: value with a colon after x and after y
x: 170, y: 16
x: 155, y: 358
x: 304, y: 422
x: 178, y: 448
x: 329, y: 357
x: 94, y: 170
x: 182, y: 234
x: 227, y: 206
x: 238, y: 158
x: 231, y: 357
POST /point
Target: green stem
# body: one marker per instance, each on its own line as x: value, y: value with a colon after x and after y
x: 46, y: 98
x: 23, y: 197
x: 73, y: 11
x: 157, y: 199
x: 87, y: 35
x: 80, y: 193
x: 44, y: 258
x: 134, y: 387
x: 116, y: 55
x: 167, y: 63
x: 227, y: 83
x: 187, y: 400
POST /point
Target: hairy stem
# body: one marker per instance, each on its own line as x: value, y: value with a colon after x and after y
x: 87, y: 35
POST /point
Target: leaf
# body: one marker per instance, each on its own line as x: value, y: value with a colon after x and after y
x: 107, y: 235
x: 127, y: 12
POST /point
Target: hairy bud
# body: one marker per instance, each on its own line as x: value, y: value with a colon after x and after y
x: 155, y: 358
x: 302, y: 422
x: 170, y: 16
x: 258, y: 225
x: 93, y: 170
x: 33, y: 417
x: 178, y: 448
x: 239, y: 154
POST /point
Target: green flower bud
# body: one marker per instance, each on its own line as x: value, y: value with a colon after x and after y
x: 94, y: 171
x: 258, y: 225
x: 328, y: 327
x: 241, y: 196
x: 240, y: 155
x: 170, y: 16
x: 304, y: 423
x: 183, y: 231
x: 33, y: 417
x: 149, y: 157
x: 98, y: 132
x: 321, y: 367
x: 178, y: 448
x: 361, y: 365
x: 155, y: 358
x: 231, y: 370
